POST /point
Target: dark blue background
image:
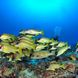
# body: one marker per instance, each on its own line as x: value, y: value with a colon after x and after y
x: 54, y: 17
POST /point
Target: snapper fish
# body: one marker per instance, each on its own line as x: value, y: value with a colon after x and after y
x: 11, y: 51
x: 30, y: 36
x: 63, y: 50
x: 25, y: 38
x: 44, y: 40
x: 31, y: 32
x: 40, y: 47
x: 14, y: 57
x: 41, y: 54
x: 5, y: 36
x: 28, y: 42
x: 24, y: 45
x: 9, y: 37
x: 53, y: 48
x: 55, y: 66
x: 61, y: 44
x: 54, y: 42
x: 8, y: 49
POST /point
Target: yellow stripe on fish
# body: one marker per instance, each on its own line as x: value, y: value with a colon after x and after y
x: 62, y: 50
x: 41, y: 54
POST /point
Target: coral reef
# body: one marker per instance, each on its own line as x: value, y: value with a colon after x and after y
x: 31, y: 55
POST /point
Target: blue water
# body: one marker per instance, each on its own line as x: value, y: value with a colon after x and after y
x: 54, y: 17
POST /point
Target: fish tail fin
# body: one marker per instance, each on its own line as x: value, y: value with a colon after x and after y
x: 52, y: 53
x: 42, y: 32
x: 20, y: 51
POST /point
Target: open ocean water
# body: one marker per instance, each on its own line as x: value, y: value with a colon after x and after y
x: 54, y: 17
